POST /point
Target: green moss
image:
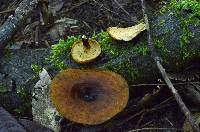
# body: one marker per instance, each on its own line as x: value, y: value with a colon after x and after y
x: 159, y: 44
x: 3, y: 89
x: 142, y: 48
x: 105, y: 41
x: 7, y: 53
x: 60, y: 51
x: 36, y: 68
x: 25, y: 98
x: 125, y: 69
x: 162, y: 23
x: 188, y: 13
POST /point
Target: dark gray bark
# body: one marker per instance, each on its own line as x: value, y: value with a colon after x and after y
x: 32, y: 125
x: 8, y: 123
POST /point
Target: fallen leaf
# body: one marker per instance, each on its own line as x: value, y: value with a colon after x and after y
x: 126, y: 34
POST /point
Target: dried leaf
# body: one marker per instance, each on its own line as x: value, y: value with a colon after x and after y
x: 126, y: 34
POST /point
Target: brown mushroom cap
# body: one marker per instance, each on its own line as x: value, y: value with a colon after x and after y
x: 82, y: 54
x: 89, y: 96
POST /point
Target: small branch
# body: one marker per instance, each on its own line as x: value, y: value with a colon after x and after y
x: 158, y: 84
x: 76, y: 6
x: 132, y: 18
x: 149, y: 129
x: 7, y: 11
x: 165, y: 77
x: 140, y: 120
x: 14, y: 22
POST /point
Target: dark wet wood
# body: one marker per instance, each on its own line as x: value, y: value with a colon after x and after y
x: 15, y: 21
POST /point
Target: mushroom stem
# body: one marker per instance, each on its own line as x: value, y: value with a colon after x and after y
x: 85, y: 42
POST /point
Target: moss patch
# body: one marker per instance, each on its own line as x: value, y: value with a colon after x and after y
x: 142, y: 48
x: 3, y: 89
x: 61, y: 50
x: 105, y: 41
x: 36, y: 68
x: 185, y: 14
x: 188, y: 13
x: 124, y: 68
x: 159, y: 44
x: 25, y: 99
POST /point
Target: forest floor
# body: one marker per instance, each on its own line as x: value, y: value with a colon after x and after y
x: 59, y: 19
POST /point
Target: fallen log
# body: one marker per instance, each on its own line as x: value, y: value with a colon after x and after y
x: 14, y: 22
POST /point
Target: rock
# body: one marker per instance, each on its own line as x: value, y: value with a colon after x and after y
x: 43, y: 110
x: 16, y: 64
x: 8, y: 123
x: 32, y: 125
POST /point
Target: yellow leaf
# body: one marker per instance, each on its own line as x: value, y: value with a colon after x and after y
x: 126, y: 34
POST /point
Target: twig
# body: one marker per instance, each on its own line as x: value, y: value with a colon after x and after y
x: 77, y: 5
x: 165, y: 101
x: 146, y: 124
x: 164, y: 75
x: 158, y: 84
x: 145, y: 129
x: 37, y: 36
x: 115, y: 13
x: 140, y: 120
x: 132, y: 18
x: 7, y: 11
x: 131, y: 117
x: 168, y: 121
x: 14, y: 22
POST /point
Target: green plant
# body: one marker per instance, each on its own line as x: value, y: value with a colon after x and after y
x: 60, y: 50
x: 25, y: 99
x: 36, y: 68
x: 3, y: 89
x: 188, y: 13
x: 105, y: 41
x: 141, y: 49
x: 160, y: 46
x: 124, y: 68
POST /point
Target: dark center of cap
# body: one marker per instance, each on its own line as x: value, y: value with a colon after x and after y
x: 88, y: 92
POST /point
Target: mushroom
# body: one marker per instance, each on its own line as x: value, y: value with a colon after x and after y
x: 126, y: 34
x: 89, y: 96
x: 85, y: 50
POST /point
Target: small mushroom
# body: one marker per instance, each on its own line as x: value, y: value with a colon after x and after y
x: 89, y: 96
x: 126, y: 34
x: 85, y: 50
